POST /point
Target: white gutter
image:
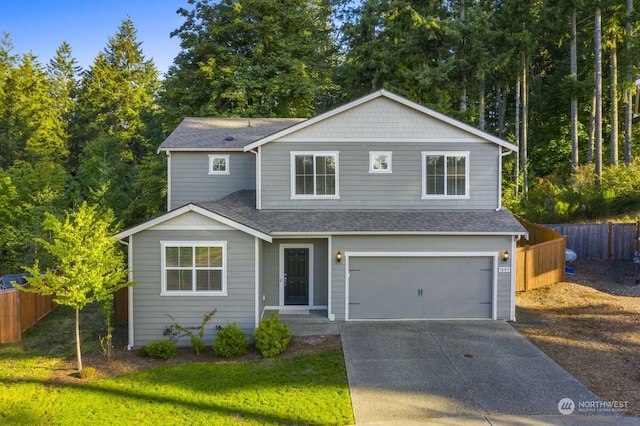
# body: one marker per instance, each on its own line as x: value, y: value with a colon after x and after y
x: 330, y: 314
x: 256, y: 277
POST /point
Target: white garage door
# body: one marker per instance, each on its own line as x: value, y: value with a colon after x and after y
x: 420, y: 287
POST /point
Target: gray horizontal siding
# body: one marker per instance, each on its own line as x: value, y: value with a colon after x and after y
x: 150, y: 308
x: 420, y: 244
x: 191, y: 181
x: 359, y: 189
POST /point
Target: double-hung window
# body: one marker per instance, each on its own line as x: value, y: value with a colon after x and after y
x: 314, y: 175
x: 445, y: 175
x: 194, y: 268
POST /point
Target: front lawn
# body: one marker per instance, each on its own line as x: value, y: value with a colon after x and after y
x: 304, y: 389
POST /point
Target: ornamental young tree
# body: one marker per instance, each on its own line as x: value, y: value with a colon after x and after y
x: 89, y: 264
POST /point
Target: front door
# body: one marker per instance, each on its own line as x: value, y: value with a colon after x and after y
x: 296, y: 276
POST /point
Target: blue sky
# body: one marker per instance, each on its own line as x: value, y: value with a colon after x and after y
x: 40, y: 26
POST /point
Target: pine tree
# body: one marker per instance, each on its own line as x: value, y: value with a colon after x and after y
x: 63, y: 73
x: 251, y: 58
x: 116, y: 100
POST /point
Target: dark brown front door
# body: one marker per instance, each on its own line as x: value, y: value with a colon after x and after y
x: 296, y: 276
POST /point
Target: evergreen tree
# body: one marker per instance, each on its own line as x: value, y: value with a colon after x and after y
x: 115, y: 104
x: 251, y: 58
x: 63, y: 73
x: 42, y: 189
x: 31, y: 127
x: 10, y: 212
x: 403, y: 45
x: 7, y: 64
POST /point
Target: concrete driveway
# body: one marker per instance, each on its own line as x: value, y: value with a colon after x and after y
x: 458, y: 372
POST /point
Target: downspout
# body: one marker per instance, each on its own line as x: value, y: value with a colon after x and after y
x: 502, y: 154
x: 514, y: 264
x: 330, y: 314
x: 129, y: 291
x: 258, y: 177
x: 168, y: 181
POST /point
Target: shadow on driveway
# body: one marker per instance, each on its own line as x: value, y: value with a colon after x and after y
x: 410, y: 371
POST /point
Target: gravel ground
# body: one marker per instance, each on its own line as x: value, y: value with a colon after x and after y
x: 590, y: 325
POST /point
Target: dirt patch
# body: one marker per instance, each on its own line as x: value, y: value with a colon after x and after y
x: 590, y: 329
x: 126, y: 362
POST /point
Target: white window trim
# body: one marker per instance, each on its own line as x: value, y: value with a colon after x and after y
x: 193, y: 292
x: 212, y: 158
x: 445, y: 196
x: 373, y: 154
x: 292, y: 173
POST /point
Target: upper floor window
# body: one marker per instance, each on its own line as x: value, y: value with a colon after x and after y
x: 445, y: 175
x: 379, y: 162
x: 314, y: 175
x: 218, y: 164
x: 194, y: 268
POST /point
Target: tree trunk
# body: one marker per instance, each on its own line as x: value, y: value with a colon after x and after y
x: 598, y: 87
x: 516, y: 166
x: 78, y: 353
x: 481, y: 101
x: 502, y: 109
x: 463, y: 89
x: 592, y: 128
x: 525, y: 118
x: 574, y: 98
x: 628, y: 95
x: 614, y: 103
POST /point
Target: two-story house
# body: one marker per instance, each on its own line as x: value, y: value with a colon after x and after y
x: 380, y: 209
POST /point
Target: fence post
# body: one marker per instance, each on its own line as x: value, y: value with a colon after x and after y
x: 19, y: 313
x: 609, y: 232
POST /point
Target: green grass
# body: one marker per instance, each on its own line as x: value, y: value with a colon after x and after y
x: 306, y: 389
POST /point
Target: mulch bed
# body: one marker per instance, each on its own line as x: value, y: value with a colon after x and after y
x: 126, y: 362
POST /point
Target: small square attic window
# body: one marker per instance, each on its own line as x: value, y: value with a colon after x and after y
x: 218, y: 164
x: 379, y: 162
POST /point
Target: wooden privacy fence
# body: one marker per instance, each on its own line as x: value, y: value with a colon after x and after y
x: 603, y: 241
x: 19, y: 311
x: 540, y: 260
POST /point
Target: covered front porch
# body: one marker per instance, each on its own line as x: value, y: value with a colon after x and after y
x: 294, y: 278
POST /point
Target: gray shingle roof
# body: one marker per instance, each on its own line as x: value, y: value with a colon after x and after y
x: 223, y: 133
x: 240, y: 207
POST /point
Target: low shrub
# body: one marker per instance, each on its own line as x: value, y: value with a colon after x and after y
x: 197, y: 341
x: 230, y: 342
x: 163, y: 349
x: 87, y: 373
x: 272, y: 336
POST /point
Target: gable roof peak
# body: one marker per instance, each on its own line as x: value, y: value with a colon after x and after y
x: 393, y: 97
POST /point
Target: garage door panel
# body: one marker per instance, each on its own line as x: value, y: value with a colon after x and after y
x: 420, y: 287
x: 387, y: 293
